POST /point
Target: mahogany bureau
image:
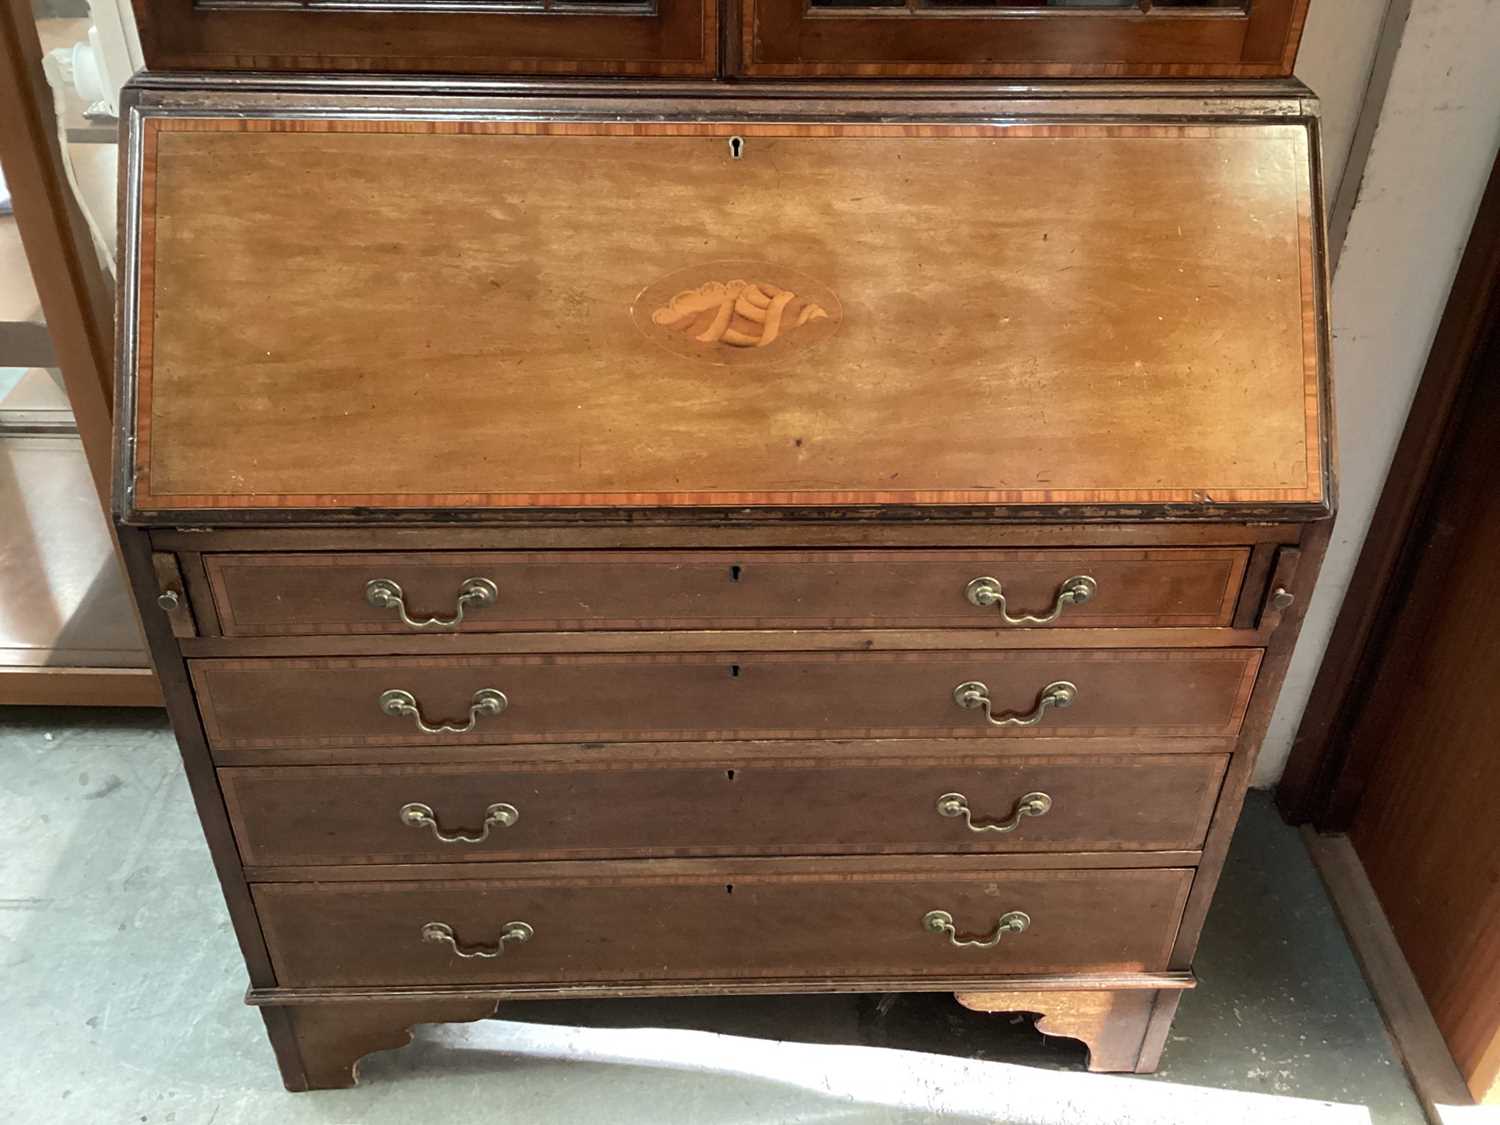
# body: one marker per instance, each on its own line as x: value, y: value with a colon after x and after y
x: 656, y: 534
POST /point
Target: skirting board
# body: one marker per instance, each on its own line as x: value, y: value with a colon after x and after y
x: 1434, y: 1075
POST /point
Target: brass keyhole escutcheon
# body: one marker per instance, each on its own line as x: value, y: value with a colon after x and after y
x: 736, y: 147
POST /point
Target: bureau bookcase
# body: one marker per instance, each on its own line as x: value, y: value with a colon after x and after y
x: 628, y: 532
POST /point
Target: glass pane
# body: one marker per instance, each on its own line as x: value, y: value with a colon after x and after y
x: 91, y: 49
x: 1048, y: 7
x: 63, y: 599
x: 33, y: 400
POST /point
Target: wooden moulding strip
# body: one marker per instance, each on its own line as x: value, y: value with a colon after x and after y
x: 276, y: 997
x: 1433, y: 1073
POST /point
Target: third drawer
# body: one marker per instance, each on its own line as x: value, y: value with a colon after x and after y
x: 293, y: 816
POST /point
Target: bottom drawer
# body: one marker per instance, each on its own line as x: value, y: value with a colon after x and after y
x: 701, y: 920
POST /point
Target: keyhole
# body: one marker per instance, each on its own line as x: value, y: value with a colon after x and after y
x: 729, y: 888
x: 729, y: 774
x: 736, y: 147
x: 734, y: 670
x: 734, y: 573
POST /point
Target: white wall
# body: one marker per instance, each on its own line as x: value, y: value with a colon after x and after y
x: 1432, y: 152
x: 1338, y: 50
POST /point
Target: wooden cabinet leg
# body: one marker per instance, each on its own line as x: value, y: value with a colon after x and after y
x: 318, y: 1046
x: 1124, y: 1031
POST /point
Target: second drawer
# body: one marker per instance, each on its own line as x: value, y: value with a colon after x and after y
x: 369, y: 702
x: 293, y: 816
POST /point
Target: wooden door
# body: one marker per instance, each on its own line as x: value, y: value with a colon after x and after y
x: 1400, y: 747
x: 1428, y: 825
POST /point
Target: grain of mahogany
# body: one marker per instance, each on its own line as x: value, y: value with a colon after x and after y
x: 323, y: 595
x: 290, y: 816
x: 1210, y: 268
x: 278, y: 704
x: 661, y: 927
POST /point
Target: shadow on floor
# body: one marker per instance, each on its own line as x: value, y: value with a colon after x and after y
x: 123, y: 984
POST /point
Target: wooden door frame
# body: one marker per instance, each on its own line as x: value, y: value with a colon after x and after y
x: 75, y: 294
x: 77, y: 302
x: 1325, y: 775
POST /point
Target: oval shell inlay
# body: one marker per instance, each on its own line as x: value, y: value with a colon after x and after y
x: 734, y: 312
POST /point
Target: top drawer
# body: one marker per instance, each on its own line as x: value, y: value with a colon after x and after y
x: 494, y: 591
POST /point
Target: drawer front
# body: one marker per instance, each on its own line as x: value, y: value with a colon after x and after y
x: 380, y: 701
x: 323, y: 815
x: 301, y: 594
x: 705, y: 923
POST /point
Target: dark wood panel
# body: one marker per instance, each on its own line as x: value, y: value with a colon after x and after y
x: 281, y: 594
x: 1323, y: 774
x: 664, y: 37
x: 716, y: 925
x: 1276, y: 657
x: 292, y: 816
x: 203, y: 783
x: 273, y: 704
x: 792, y: 37
x: 1427, y: 827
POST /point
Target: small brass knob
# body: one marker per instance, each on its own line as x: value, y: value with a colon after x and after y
x: 168, y: 600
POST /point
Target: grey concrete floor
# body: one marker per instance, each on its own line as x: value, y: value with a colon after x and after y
x: 122, y: 985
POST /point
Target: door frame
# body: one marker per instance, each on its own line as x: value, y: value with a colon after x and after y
x: 77, y: 302
x: 1326, y: 773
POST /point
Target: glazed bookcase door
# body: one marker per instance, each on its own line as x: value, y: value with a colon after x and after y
x: 1104, y: 38
x: 563, y: 37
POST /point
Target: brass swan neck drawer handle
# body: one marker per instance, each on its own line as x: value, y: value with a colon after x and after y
x: 403, y: 705
x: 974, y: 695
x: 418, y: 815
x: 956, y: 804
x: 385, y: 593
x: 986, y: 592
x: 941, y: 922
x: 440, y: 933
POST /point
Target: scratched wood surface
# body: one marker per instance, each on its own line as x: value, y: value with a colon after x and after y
x: 417, y: 314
